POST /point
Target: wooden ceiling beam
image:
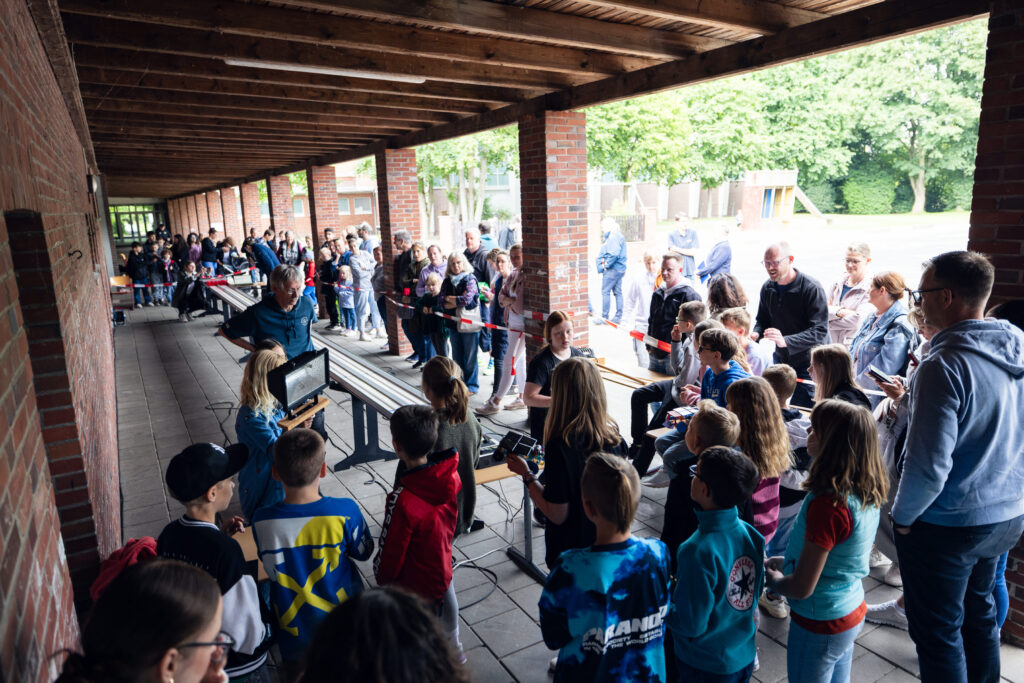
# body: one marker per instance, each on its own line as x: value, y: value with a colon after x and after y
x: 298, y: 25
x: 172, y: 40
x: 290, y: 126
x: 198, y: 84
x: 219, y: 133
x: 93, y: 105
x: 189, y: 66
x: 266, y: 148
x: 176, y: 99
x: 758, y: 17
x: 524, y: 23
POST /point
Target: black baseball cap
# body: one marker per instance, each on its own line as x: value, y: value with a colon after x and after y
x: 193, y: 471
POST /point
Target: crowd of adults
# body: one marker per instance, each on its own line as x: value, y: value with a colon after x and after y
x: 831, y: 430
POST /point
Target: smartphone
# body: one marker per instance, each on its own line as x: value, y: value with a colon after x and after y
x: 879, y: 375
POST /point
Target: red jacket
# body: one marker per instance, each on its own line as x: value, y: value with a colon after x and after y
x: 419, y: 526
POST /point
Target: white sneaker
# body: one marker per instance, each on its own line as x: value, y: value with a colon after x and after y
x: 877, y: 559
x: 182, y: 318
x: 658, y: 480
x: 774, y: 605
x: 892, y: 576
x: 381, y: 334
x: 887, y: 614
x: 516, y: 405
x: 488, y: 408
x: 362, y: 336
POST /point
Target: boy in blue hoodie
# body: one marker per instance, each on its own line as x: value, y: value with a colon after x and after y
x: 721, y: 574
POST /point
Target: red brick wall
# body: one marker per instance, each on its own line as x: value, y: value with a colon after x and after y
x: 172, y: 216
x: 202, y: 213
x: 323, y: 202
x: 251, y: 208
x: 399, y: 210
x: 58, y: 450
x: 193, y: 217
x: 553, y: 186
x: 279, y: 192
x: 229, y: 211
x: 997, y: 212
x: 214, y: 211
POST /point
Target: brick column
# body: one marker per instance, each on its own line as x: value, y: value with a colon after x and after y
x: 323, y: 203
x: 214, y: 210
x: 997, y: 212
x: 250, y: 208
x: 202, y: 214
x: 190, y: 214
x: 398, y: 200
x: 172, y: 216
x: 279, y: 191
x: 229, y: 212
x: 553, y: 181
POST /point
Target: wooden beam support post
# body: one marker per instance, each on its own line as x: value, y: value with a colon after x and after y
x: 279, y: 193
x: 398, y: 201
x: 323, y: 203
x: 553, y: 172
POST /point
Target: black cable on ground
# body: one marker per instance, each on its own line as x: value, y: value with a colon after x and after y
x: 486, y: 572
x: 222, y: 405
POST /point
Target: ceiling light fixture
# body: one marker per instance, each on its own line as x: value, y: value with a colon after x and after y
x: 327, y: 70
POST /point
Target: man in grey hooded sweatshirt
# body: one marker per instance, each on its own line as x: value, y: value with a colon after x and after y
x: 960, y: 503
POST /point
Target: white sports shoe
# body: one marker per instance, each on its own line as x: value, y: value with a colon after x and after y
x: 878, y: 559
x: 516, y: 405
x: 488, y: 408
x: 658, y: 480
x: 887, y: 614
x: 892, y: 576
x: 774, y: 605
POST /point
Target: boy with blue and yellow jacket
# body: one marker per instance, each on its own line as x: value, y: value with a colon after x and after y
x: 721, y: 574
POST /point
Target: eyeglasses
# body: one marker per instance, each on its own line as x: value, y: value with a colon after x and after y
x: 915, y: 294
x: 703, y: 348
x: 223, y: 644
x: 693, y: 471
x: 774, y: 264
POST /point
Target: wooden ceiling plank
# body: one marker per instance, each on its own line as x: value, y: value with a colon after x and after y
x: 172, y: 98
x: 199, y: 84
x: 118, y: 33
x: 753, y: 16
x: 214, y: 132
x: 184, y: 65
x: 359, y: 34
x: 524, y: 23
x: 292, y: 126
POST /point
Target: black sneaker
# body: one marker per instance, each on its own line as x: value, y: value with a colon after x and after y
x: 476, y: 525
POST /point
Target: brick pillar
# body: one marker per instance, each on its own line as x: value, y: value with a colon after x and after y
x: 190, y: 214
x: 323, y: 203
x: 250, y: 208
x: 997, y: 212
x: 398, y: 198
x: 553, y: 189
x: 202, y: 214
x: 279, y: 192
x: 229, y: 212
x: 172, y: 216
x: 213, y: 209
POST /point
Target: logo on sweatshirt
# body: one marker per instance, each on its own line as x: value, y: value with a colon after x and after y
x: 740, y: 592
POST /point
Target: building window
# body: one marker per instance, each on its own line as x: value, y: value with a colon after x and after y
x: 497, y: 179
x: 362, y: 205
x: 343, y: 208
x: 297, y: 209
x: 265, y: 209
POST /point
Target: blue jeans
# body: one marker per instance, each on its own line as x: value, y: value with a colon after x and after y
x: 672, y: 447
x: 611, y: 283
x: 819, y: 657
x: 485, y: 334
x: 661, y: 365
x: 499, y: 344
x: 687, y: 674
x: 375, y: 309
x: 464, y: 348
x: 310, y: 291
x: 777, y: 544
x: 948, y: 576
x: 141, y: 292
x: 348, y: 318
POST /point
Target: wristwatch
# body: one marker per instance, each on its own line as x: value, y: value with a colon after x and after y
x: 529, y: 479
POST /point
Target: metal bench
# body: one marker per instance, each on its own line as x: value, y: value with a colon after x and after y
x: 374, y: 392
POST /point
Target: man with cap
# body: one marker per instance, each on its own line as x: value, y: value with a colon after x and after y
x: 202, y: 478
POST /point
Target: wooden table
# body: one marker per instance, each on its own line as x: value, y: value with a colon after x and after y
x: 248, y: 543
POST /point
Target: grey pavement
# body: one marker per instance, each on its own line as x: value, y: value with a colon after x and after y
x: 177, y: 383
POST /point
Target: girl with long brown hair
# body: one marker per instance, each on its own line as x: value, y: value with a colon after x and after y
x: 577, y: 425
x: 832, y: 372
x: 558, y: 333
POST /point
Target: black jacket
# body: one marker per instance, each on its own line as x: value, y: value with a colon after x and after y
x: 137, y: 266
x: 801, y: 315
x: 664, y: 309
x: 479, y: 262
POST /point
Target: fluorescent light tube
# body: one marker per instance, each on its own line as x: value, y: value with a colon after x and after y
x: 330, y: 71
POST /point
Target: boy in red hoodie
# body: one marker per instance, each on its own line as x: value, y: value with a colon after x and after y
x: 419, y: 518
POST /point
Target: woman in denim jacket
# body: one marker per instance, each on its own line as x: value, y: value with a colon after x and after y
x: 886, y: 337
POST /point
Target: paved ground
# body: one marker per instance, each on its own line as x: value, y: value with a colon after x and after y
x: 177, y: 384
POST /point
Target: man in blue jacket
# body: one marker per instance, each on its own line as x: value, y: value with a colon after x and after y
x: 611, y: 263
x: 960, y: 503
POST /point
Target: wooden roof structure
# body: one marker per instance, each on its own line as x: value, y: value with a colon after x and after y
x: 183, y: 96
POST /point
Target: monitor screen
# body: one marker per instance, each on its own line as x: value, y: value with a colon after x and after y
x: 299, y: 379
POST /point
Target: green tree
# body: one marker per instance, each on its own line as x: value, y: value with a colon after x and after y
x: 919, y: 101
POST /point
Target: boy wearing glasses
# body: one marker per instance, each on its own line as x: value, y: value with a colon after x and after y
x: 721, y: 574
x: 202, y: 478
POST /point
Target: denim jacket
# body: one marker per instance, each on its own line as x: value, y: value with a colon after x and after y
x: 886, y: 344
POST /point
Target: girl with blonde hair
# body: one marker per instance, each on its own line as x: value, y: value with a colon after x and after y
x: 577, y: 425
x: 461, y: 290
x: 832, y: 372
x: 256, y: 426
x: 457, y: 428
